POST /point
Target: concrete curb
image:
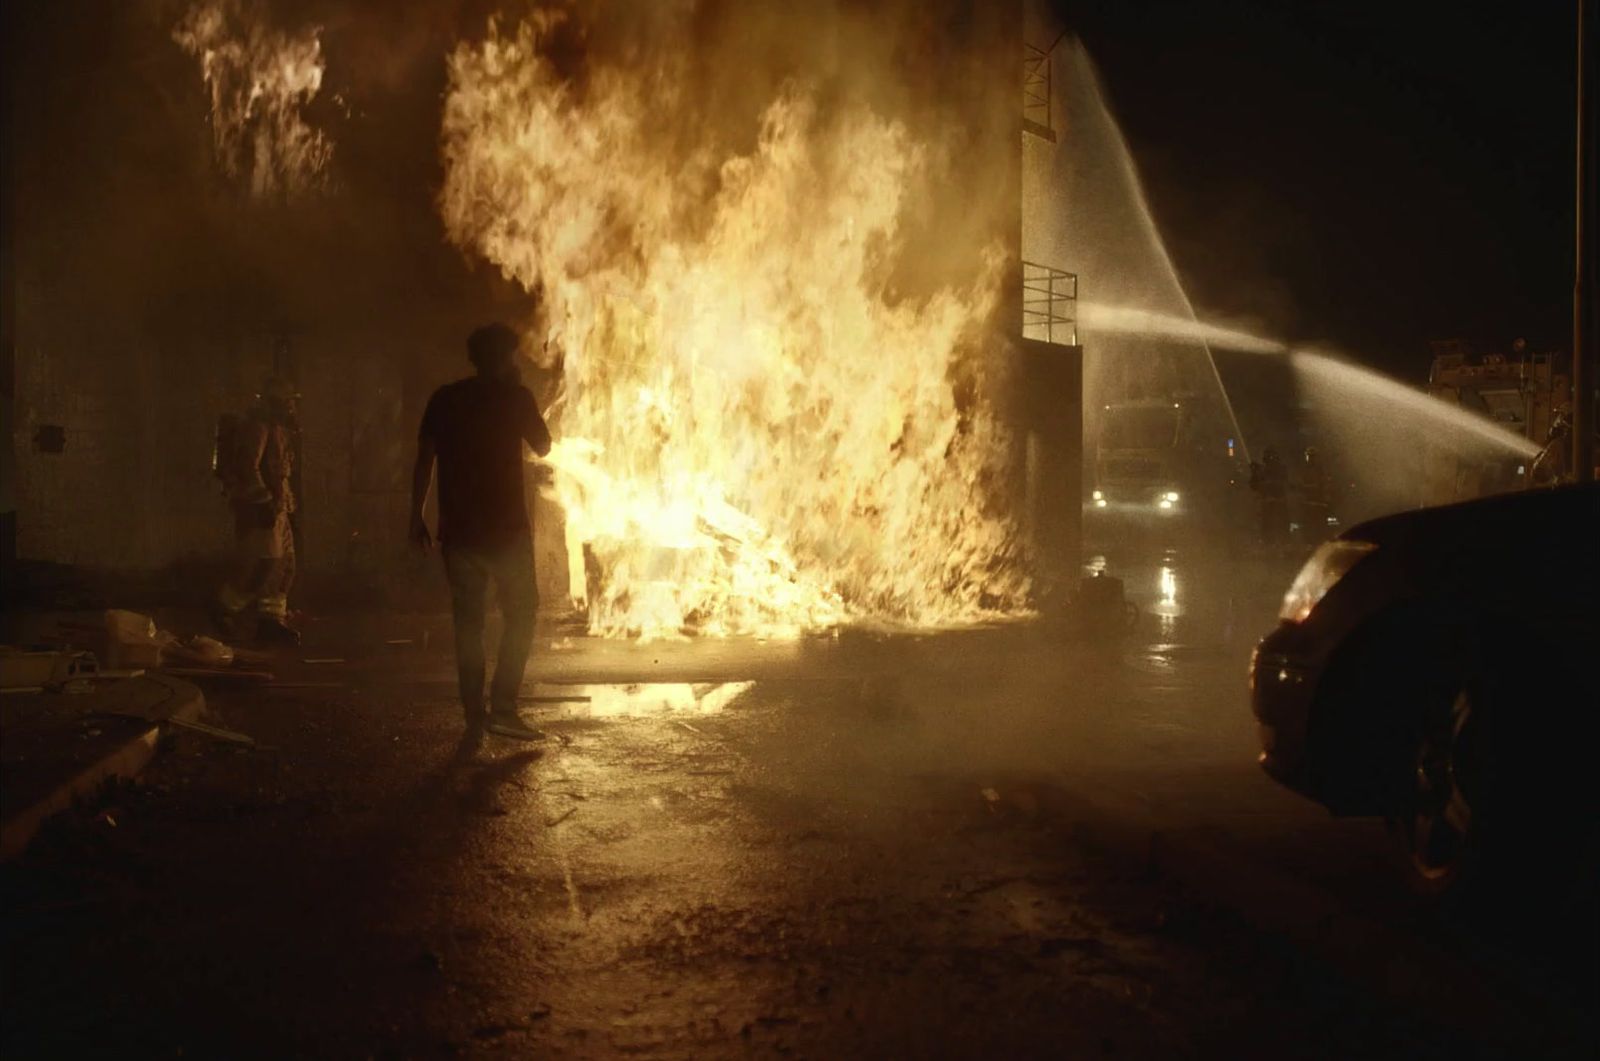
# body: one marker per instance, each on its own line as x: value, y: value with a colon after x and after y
x: 186, y: 703
x: 1399, y: 966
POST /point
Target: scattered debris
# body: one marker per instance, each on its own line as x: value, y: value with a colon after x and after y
x: 217, y: 732
x: 234, y: 674
x: 132, y: 640
x: 559, y: 818
x: 229, y: 735
x: 23, y: 669
x: 1101, y: 608
x: 251, y: 656
x: 200, y: 651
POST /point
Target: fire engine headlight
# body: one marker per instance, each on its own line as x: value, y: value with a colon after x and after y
x: 1098, y: 496
x: 1172, y: 495
x: 1331, y: 562
x: 1165, y: 503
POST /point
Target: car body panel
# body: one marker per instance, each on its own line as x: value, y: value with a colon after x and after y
x: 1523, y: 568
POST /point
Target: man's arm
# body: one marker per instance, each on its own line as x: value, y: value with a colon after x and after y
x: 421, y: 479
x: 534, y: 429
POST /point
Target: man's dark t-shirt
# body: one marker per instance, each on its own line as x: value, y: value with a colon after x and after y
x: 478, y: 426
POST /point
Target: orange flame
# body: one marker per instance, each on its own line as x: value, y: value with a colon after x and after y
x: 756, y: 434
x: 259, y: 80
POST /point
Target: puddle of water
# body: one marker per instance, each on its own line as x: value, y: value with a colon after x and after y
x: 642, y: 699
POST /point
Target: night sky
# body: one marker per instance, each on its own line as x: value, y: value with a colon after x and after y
x: 1365, y: 174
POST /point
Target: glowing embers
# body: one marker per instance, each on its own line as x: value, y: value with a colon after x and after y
x: 646, y: 699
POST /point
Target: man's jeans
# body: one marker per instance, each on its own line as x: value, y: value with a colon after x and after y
x: 511, y: 570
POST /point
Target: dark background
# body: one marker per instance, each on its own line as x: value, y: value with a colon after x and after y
x: 1366, y: 174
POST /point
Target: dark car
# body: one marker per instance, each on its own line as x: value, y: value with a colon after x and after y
x: 1438, y: 668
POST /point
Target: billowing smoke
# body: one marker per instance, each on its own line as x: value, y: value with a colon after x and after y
x: 771, y: 297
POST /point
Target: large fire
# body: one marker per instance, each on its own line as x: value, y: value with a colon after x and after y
x: 757, y: 433
x: 259, y: 79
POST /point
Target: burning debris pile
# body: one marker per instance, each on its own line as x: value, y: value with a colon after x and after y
x: 758, y: 430
x: 260, y: 81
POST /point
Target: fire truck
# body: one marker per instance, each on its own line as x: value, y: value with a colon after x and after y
x: 1138, y: 457
x: 1527, y: 394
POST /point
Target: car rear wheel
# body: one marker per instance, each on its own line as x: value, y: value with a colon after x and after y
x: 1440, y: 821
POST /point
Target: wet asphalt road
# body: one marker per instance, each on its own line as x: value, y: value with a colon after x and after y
x: 862, y: 846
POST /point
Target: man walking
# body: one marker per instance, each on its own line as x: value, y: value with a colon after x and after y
x: 475, y: 429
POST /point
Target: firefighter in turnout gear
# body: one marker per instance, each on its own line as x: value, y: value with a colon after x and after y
x: 255, y: 460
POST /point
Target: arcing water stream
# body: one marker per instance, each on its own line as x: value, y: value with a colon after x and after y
x: 1087, y: 212
x: 1385, y: 396
x: 1128, y: 320
x: 1390, y: 397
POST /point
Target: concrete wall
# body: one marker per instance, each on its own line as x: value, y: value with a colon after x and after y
x: 1050, y: 418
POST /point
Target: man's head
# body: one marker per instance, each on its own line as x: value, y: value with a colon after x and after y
x: 492, y: 349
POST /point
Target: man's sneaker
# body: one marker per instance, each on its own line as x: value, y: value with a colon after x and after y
x: 275, y: 631
x: 505, y: 724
